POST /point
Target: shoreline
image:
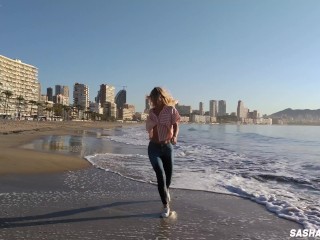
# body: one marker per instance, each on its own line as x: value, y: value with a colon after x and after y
x: 47, y: 195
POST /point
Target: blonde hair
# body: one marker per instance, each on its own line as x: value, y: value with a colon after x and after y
x: 164, y: 94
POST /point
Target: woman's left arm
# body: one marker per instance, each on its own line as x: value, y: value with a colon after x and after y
x: 175, y: 133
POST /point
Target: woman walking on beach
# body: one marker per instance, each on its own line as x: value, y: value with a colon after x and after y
x: 162, y: 126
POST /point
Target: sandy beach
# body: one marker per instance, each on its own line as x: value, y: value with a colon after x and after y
x: 14, y: 159
x: 59, y: 196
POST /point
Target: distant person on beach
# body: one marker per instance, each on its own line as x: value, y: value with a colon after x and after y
x: 162, y: 126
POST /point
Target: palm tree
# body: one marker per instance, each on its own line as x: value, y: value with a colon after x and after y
x: 58, y: 108
x: 94, y: 116
x: 88, y: 114
x: 49, y: 109
x: 33, y: 103
x: 67, y: 111
x: 8, y: 95
x: 79, y: 108
x: 99, y: 115
x: 40, y: 106
x: 20, y: 103
x: 73, y: 112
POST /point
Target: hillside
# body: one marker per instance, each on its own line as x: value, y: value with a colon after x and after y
x: 298, y: 115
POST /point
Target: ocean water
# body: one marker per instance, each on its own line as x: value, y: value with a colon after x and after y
x: 276, y: 166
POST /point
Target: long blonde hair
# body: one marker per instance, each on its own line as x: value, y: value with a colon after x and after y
x: 167, y: 99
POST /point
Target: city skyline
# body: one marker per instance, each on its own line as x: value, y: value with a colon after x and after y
x: 11, y: 74
x: 19, y: 83
x: 263, y: 53
x: 201, y: 104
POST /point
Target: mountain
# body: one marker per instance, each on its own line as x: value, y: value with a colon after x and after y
x: 298, y: 115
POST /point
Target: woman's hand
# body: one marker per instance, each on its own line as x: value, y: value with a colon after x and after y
x: 174, y: 140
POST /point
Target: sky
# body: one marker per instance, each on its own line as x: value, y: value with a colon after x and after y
x: 265, y: 53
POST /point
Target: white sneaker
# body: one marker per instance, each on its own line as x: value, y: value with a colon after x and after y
x: 166, y: 212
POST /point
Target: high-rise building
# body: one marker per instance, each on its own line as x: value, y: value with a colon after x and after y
x: 61, y: 99
x: 106, y: 93
x: 97, y: 98
x: 58, y: 89
x: 184, y: 110
x: 120, y: 100
x: 242, y: 112
x: 213, y: 108
x: 107, y: 101
x: 61, y: 95
x: 201, y: 111
x: 50, y: 94
x: 21, y: 80
x: 222, y: 108
x: 65, y: 91
x: 65, y: 94
x: 81, y: 95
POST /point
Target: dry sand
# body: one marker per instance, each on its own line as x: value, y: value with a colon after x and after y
x: 7, y: 126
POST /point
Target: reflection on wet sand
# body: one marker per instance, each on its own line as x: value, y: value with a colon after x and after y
x: 82, y: 143
x: 65, y: 144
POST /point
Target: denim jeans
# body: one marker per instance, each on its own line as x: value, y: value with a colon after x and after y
x: 161, y: 158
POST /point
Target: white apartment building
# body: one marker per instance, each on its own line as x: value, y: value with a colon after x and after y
x: 21, y: 80
x: 65, y: 93
x: 61, y: 99
x: 107, y: 94
x: 96, y: 107
x: 128, y: 112
x: 61, y: 95
x: 81, y: 96
x: 200, y: 118
x: 242, y: 112
x: 184, y: 119
x: 106, y: 98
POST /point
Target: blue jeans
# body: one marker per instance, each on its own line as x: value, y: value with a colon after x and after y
x: 161, y: 158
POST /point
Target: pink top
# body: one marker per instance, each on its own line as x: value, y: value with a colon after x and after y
x: 164, y: 122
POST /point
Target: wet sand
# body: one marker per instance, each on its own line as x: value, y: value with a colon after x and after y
x: 14, y: 159
x: 69, y: 199
x: 94, y: 204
